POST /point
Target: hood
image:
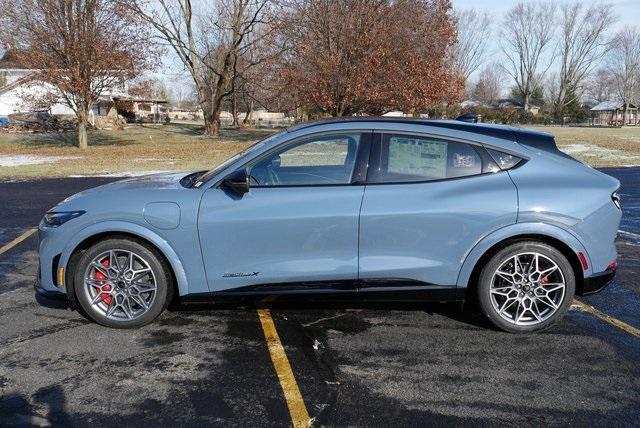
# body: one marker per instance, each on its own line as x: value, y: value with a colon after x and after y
x: 154, y: 181
x: 170, y: 181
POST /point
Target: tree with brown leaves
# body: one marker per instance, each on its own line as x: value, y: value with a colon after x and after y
x: 368, y: 56
x: 80, y: 48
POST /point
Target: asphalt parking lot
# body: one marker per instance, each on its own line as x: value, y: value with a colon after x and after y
x: 351, y: 364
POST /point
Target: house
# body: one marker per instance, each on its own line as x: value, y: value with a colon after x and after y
x: 473, y: 103
x: 614, y: 112
x: 21, y: 92
x: 504, y: 104
x: 511, y: 104
x: 136, y: 109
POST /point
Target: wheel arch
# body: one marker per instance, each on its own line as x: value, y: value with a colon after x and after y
x: 93, y: 234
x: 558, y: 238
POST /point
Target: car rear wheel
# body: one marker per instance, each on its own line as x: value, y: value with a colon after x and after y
x: 122, y: 283
x: 526, y: 287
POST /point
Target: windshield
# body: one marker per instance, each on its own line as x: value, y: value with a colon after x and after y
x: 254, y: 147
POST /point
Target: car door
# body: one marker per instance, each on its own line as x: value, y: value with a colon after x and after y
x: 428, y: 201
x: 297, y: 227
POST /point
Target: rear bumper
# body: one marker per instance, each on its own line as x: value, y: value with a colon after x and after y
x: 597, y: 282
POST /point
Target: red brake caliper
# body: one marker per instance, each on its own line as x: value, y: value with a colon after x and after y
x: 105, y: 288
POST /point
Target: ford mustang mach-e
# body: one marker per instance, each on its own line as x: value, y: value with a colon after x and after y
x: 364, y: 207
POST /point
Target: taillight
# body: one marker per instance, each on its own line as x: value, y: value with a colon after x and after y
x: 615, y: 197
x: 613, y: 265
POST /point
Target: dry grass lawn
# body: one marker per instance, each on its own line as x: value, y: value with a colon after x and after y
x: 137, y: 149
x: 141, y: 148
x: 599, y: 147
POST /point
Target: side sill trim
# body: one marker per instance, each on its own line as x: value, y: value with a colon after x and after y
x: 394, y: 292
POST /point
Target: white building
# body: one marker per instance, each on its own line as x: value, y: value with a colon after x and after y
x: 18, y: 90
x: 20, y: 93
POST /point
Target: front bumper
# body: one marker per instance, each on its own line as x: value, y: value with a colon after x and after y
x: 597, y: 282
x: 50, y: 248
x: 49, y: 294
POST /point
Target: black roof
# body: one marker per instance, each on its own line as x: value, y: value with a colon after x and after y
x: 497, y: 131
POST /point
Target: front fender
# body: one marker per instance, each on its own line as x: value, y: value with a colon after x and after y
x: 512, y: 231
x: 133, y: 229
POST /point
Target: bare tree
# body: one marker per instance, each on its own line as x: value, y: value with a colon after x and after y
x: 600, y: 87
x: 527, y: 35
x: 151, y: 88
x: 489, y: 84
x: 208, y: 43
x: 77, y: 48
x: 624, y: 65
x: 583, y: 43
x: 183, y: 94
x: 474, y: 32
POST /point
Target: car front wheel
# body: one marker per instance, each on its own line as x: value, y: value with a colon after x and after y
x: 526, y: 287
x: 122, y: 283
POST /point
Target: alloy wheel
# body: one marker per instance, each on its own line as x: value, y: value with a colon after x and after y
x: 120, y: 285
x: 527, y: 289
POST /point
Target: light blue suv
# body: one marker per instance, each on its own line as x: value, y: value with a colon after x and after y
x: 368, y: 207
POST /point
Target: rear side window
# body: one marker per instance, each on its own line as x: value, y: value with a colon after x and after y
x: 407, y: 158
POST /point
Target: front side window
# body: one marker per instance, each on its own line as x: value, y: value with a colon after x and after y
x: 408, y: 158
x: 320, y: 160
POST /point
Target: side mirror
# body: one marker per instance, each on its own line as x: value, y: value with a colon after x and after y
x: 237, y: 182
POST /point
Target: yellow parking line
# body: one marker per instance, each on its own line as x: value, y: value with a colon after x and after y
x: 607, y: 318
x: 292, y: 395
x: 17, y: 241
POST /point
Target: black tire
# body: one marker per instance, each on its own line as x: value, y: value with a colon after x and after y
x: 157, y: 264
x: 486, y: 276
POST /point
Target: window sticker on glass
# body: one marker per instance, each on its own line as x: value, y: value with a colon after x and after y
x: 460, y: 160
x: 418, y: 157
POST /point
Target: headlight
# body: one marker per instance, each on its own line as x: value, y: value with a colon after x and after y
x: 55, y: 219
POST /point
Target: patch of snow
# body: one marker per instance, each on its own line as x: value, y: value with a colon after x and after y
x: 19, y: 160
x: 630, y: 236
x: 597, y: 151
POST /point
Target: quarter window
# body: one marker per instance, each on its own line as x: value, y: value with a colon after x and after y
x: 504, y: 160
x: 321, y: 160
x: 408, y: 158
